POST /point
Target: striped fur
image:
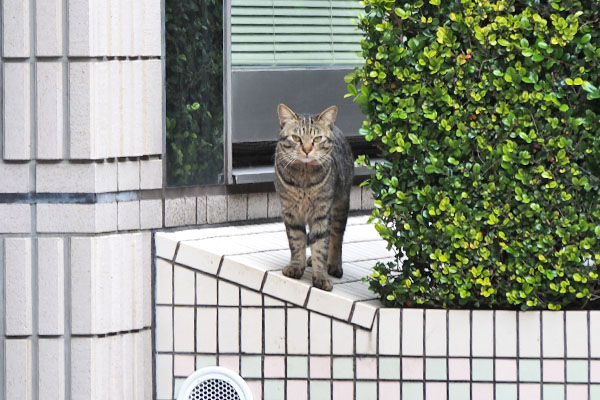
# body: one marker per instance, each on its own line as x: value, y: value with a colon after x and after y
x: 313, y: 176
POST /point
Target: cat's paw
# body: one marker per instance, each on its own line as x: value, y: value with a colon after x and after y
x: 323, y: 284
x: 293, y: 272
x: 309, y: 261
x: 335, y: 270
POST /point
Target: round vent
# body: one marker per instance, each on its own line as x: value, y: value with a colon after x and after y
x: 214, y: 383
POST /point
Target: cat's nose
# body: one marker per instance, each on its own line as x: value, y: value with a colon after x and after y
x: 307, y: 148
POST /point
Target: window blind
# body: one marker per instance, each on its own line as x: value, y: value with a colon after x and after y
x: 291, y: 32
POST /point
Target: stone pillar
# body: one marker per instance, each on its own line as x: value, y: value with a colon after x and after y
x: 80, y: 188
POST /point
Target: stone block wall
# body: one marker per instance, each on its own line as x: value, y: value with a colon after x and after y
x: 81, y: 144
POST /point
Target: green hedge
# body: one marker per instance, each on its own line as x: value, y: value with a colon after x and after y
x: 194, y: 80
x: 488, y: 117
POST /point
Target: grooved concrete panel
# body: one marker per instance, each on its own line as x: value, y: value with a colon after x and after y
x: 80, y: 28
x: 17, y: 111
x: 18, y: 369
x: 17, y: 281
x: 80, y: 108
x: 16, y: 218
x: 77, y: 218
x: 15, y: 32
x: 51, y: 377
x: 152, y: 100
x: 49, y: 27
x: 51, y: 314
x: 14, y: 178
x: 151, y: 28
x: 49, y: 110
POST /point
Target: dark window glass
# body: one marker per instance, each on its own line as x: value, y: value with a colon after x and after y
x: 194, y: 91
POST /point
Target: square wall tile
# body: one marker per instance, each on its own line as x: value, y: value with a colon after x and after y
x: 595, y: 371
x: 459, y: 369
x: 595, y: 340
x: 577, y: 371
x: 481, y: 391
x: 320, y: 367
x: 320, y: 334
x: 297, y: 331
x: 343, y: 390
x: 530, y: 371
x: 460, y: 391
x: 435, y: 369
x: 183, y: 365
x: 553, y: 333
x: 366, y: 368
x: 365, y: 340
x: 506, y: 370
x: 594, y: 392
x: 164, y: 328
x: 274, y: 331
x: 343, y: 368
x: 530, y: 391
x: 274, y: 367
x: 320, y: 390
x: 206, y: 361
x: 164, y: 376
x: 184, y: 286
x: 577, y: 392
x: 255, y: 388
x: 231, y: 362
x: 297, y: 390
x: 553, y: 371
x: 412, y: 390
x: 389, y: 325
x: 206, y: 290
x: 506, y: 391
x: 435, y: 332
x: 412, y: 368
x: 251, y: 298
x: 506, y: 333
x: 366, y: 390
x: 251, y: 367
x: 459, y: 327
x: 229, y: 294
x: 412, y: 332
x: 529, y: 334
x: 228, y: 333
x: 164, y: 282
x: 436, y: 391
x: 389, y: 368
x: 483, y: 333
x: 274, y: 390
x: 251, y: 334
x: 344, y: 338
x: 388, y: 391
x: 206, y: 330
x: 577, y: 334
x: 553, y: 392
x: 297, y: 367
x: 482, y: 369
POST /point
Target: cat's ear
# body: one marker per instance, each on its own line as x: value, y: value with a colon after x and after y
x: 285, y: 115
x: 328, y: 116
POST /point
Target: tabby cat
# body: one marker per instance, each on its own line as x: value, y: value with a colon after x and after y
x: 313, y: 176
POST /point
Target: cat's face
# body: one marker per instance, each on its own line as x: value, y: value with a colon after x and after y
x: 306, y: 138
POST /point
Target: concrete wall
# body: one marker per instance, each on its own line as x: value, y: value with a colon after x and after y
x: 81, y: 155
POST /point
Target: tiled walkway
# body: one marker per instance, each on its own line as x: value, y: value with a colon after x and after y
x: 253, y: 256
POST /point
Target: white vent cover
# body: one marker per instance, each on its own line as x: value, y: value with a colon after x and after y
x: 214, y: 383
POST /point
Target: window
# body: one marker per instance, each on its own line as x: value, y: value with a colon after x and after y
x: 221, y: 105
x: 290, y: 32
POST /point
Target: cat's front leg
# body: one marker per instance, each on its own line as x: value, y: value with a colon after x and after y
x: 296, y: 233
x: 318, y: 240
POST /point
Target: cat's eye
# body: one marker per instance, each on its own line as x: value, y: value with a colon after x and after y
x: 317, y: 139
x: 296, y: 138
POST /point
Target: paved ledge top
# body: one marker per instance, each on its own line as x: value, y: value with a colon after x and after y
x: 253, y: 256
